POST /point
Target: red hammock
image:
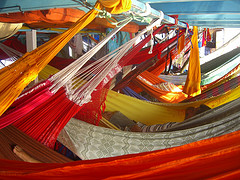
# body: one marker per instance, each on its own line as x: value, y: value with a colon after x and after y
x: 216, y: 158
x: 44, y: 120
x: 157, y: 50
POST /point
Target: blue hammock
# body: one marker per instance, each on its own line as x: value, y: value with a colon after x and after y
x: 128, y: 91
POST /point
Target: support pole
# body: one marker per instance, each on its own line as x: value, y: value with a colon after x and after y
x: 31, y: 43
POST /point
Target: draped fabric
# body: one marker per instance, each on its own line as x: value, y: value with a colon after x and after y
x: 63, y: 16
x: 16, y: 77
x: 192, y: 85
x: 210, y: 158
x: 204, y: 37
x: 11, y: 136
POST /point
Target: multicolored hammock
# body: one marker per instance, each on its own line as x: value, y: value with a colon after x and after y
x: 198, y: 160
x: 18, y: 75
x: 147, y: 81
x: 221, y: 89
x: 44, y: 120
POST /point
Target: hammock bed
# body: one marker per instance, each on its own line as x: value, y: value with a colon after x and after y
x: 149, y: 113
x: 93, y: 142
x: 18, y: 75
x: 215, y: 91
x: 228, y: 110
x: 44, y: 121
x: 147, y: 76
x: 152, y: 84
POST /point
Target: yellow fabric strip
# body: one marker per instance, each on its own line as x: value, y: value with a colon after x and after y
x: 192, y: 85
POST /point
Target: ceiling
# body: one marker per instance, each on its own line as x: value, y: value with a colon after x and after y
x: 211, y: 14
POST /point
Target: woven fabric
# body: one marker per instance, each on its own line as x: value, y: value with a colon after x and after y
x: 92, y: 142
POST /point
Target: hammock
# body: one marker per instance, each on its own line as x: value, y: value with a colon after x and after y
x: 218, y: 90
x: 144, y: 55
x: 212, y: 70
x: 153, y: 65
x: 92, y: 142
x: 227, y: 47
x: 16, y: 77
x: 60, y: 18
x: 8, y: 29
x: 150, y: 83
x: 44, y: 121
x: 128, y: 91
x: 149, y: 113
x: 11, y: 136
x: 147, y: 81
x: 228, y: 110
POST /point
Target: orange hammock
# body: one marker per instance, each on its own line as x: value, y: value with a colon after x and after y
x: 60, y: 18
x: 216, y: 158
x: 52, y: 16
x: 14, y: 78
x: 149, y: 82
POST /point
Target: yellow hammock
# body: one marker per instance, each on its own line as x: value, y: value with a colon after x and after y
x: 15, y: 77
x: 159, y: 113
